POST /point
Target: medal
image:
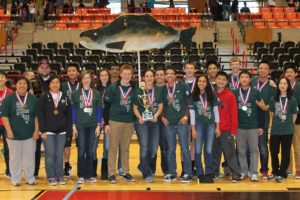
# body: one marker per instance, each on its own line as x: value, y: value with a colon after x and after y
x: 235, y: 84
x: 204, y: 104
x: 244, y: 101
x: 124, y: 96
x: 193, y: 85
x: 171, y: 94
x: 3, y: 96
x: 56, y: 98
x: 283, y: 108
x: 151, y: 97
x: 23, y: 103
x: 260, y: 87
x: 88, y: 100
x: 70, y: 88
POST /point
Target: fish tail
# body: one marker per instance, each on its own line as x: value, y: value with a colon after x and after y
x: 186, y: 37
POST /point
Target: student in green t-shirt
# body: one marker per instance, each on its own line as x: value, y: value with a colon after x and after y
x: 235, y: 65
x: 204, y: 114
x: 19, y: 116
x: 249, y: 126
x: 291, y: 73
x: 175, y: 118
x: 147, y: 107
x: 68, y: 88
x: 86, y: 120
x: 212, y: 68
x: 284, y: 110
x: 119, y: 121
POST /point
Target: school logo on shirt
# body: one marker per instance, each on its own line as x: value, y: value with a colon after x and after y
x: 201, y: 111
x: 126, y: 103
x: 23, y: 113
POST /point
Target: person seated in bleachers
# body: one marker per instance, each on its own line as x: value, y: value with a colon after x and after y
x: 245, y: 9
x: 81, y: 4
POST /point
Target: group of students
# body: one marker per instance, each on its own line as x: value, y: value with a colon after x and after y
x: 208, y: 113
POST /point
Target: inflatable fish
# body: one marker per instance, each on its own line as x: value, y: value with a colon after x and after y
x: 132, y: 33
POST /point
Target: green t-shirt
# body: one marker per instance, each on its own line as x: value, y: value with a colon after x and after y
x: 247, y: 119
x: 156, y: 100
x: 21, y: 121
x: 86, y: 117
x: 65, y: 89
x: 198, y: 106
x: 296, y: 92
x: 267, y: 92
x: 175, y: 109
x: 281, y: 126
x: 120, y: 110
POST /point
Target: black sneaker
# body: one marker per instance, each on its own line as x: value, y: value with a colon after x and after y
x: 169, y: 178
x: 128, y: 177
x: 186, y: 178
x: 68, y: 170
x: 112, y: 179
x: 235, y: 180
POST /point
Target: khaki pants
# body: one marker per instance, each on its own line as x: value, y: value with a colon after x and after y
x: 296, y: 147
x: 120, y: 135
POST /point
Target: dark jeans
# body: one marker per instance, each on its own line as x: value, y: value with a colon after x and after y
x: 285, y: 141
x: 148, y: 135
x: 5, y: 149
x: 37, y: 156
x: 163, y: 145
x: 225, y: 143
x: 86, y: 148
x: 263, y: 151
x: 206, y: 134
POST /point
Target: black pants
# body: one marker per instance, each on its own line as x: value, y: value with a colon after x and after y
x: 285, y: 141
x: 5, y: 149
x: 37, y: 156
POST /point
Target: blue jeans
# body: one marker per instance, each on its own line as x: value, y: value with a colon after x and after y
x: 226, y: 11
x: 263, y: 151
x: 148, y: 135
x: 182, y: 130
x: 105, y: 150
x: 86, y: 151
x: 54, y: 154
x: 206, y: 138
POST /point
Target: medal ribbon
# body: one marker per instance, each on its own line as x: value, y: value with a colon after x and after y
x: 283, y: 107
x: 70, y: 88
x: 171, y: 95
x: 151, y: 97
x: 193, y: 85
x: 244, y: 101
x: 23, y: 103
x: 88, y: 99
x: 235, y: 84
x: 204, y: 103
x: 262, y: 86
x: 124, y: 96
x: 56, y: 100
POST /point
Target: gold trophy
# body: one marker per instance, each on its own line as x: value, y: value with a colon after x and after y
x: 147, y: 114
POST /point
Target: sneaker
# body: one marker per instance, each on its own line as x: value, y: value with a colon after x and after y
x: 31, y: 183
x: 120, y: 170
x: 149, y: 179
x: 235, y: 180
x: 8, y: 175
x: 279, y: 179
x: 265, y: 176
x: 92, y: 180
x: 61, y: 181
x: 271, y: 177
x: 15, y: 184
x: 186, y: 178
x: 244, y: 176
x: 128, y: 177
x: 68, y: 170
x: 169, y: 178
x: 80, y: 180
x: 254, y: 178
x: 52, y: 181
x: 112, y: 179
x: 289, y: 173
x: 297, y: 176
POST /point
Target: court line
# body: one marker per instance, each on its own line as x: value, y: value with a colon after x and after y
x: 76, y: 187
x: 38, y: 194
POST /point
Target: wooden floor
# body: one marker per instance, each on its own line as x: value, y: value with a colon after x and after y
x: 7, y: 191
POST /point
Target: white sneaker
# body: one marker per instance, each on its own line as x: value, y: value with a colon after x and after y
x: 254, y: 178
x: 80, y: 180
x: 297, y: 176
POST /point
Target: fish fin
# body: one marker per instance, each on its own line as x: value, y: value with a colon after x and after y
x: 186, y: 37
x: 116, y: 45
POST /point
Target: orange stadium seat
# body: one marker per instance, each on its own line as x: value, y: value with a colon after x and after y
x: 267, y: 16
x: 259, y: 24
x: 60, y: 25
x: 98, y: 17
x: 289, y: 9
x: 72, y: 25
x: 244, y: 16
x: 264, y: 9
x: 84, y: 24
x: 183, y: 17
x: 195, y: 23
x: 277, y: 9
x: 278, y: 15
x: 194, y: 16
x: 159, y: 17
x: 283, y: 24
x: 64, y: 17
x: 183, y: 24
x: 295, y: 24
x: 170, y: 16
x: 1, y: 12
x: 96, y: 24
x: 5, y: 18
x: 75, y: 17
x: 272, y: 24
x: 86, y: 17
x: 291, y: 15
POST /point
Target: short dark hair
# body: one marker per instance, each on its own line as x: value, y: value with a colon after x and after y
x: 159, y: 69
x: 293, y: 67
x: 190, y: 63
x: 263, y: 62
x: 171, y: 68
x: 72, y: 65
x: 222, y: 73
x: 245, y: 71
x: 212, y: 63
x: 23, y: 78
x: 43, y: 61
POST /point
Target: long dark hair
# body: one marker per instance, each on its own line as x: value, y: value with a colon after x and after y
x: 99, y: 83
x: 208, y: 91
x: 289, y: 91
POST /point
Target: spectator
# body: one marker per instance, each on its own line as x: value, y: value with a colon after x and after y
x: 81, y: 5
x: 31, y: 11
x: 226, y: 10
x: 234, y: 9
x: 245, y: 9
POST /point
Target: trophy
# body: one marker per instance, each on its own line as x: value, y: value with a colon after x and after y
x: 147, y: 114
